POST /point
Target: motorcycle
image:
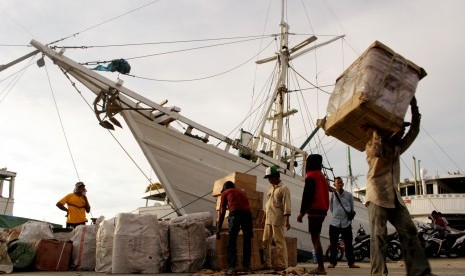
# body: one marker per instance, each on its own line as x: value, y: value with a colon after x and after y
x: 394, y: 251
x: 452, y: 246
x: 340, y: 250
x: 361, y: 245
x: 424, y: 233
x: 458, y: 247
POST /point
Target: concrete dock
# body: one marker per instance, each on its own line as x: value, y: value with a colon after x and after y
x: 440, y: 267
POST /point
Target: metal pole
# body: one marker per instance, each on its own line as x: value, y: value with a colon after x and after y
x: 415, y: 169
x: 420, y: 187
x: 5, y: 66
x: 309, y: 138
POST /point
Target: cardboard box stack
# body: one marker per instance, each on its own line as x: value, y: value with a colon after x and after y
x: 222, y: 250
x: 375, y: 90
x: 247, y: 183
x: 291, y: 244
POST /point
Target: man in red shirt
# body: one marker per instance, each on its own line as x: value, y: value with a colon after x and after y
x: 240, y: 217
x: 315, y: 203
x: 439, y: 223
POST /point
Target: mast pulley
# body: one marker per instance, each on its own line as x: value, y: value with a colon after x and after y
x: 106, y: 105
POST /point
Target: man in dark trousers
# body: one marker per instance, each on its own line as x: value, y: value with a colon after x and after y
x: 384, y: 201
x: 315, y: 203
x: 240, y: 217
x: 341, y: 203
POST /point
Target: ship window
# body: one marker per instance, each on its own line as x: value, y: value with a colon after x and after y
x: 429, y: 189
x: 442, y: 190
x: 411, y: 190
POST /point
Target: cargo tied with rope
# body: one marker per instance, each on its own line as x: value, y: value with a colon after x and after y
x: 375, y: 90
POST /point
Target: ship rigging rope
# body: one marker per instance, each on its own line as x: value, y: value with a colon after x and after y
x: 90, y: 107
x: 164, y: 42
x: 15, y: 80
x: 61, y: 122
x: 176, y: 51
x: 104, y: 22
x: 248, y: 116
x: 443, y: 151
x: 201, y: 78
x: 114, y: 137
x: 199, y: 198
x: 309, y: 82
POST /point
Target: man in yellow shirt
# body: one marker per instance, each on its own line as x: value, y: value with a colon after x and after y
x: 77, y: 206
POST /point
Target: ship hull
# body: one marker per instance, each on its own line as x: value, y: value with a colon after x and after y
x: 188, y: 168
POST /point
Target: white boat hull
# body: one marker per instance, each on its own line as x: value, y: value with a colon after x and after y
x: 186, y: 166
x: 188, y: 169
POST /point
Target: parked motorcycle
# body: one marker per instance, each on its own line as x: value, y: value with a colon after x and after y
x: 394, y: 251
x: 361, y: 245
x: 452, y: 246
x: 340, y: 250
x: 424, y: 232
x: 458, y: 247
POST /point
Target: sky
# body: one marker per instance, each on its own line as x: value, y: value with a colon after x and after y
x: 43, y: 119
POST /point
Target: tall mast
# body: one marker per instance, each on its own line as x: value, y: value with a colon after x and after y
x: 281, y: 88
x: 277, y: 109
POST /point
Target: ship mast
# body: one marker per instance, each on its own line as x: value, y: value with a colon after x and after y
x: 279, y: 96
x: 281, y: 91
x: 277, y: 110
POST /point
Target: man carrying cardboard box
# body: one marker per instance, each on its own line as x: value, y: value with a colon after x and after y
x: 384, y: 201
x: 240, y: 217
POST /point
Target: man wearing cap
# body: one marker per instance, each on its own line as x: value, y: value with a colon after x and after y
x: 384, y: 201
x: 315, y: 203
x: 240, y: 217
x: 277, y: 212
x: 77, y: 206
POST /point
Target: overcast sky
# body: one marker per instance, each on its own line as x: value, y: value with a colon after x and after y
x: 32, y: 142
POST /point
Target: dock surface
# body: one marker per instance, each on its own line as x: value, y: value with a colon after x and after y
x: 440, y: 267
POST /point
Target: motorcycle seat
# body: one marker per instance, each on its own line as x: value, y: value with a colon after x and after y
x: 361, y: 238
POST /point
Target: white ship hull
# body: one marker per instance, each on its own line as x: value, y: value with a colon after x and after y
x: 178, y: 150
x: 188, y: 168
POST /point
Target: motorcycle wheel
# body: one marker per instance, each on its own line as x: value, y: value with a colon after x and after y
x: 339, y: 254
x: 431, y: 251
x: 393, y: 251
x: 358, y: 254
x: 455, y: 252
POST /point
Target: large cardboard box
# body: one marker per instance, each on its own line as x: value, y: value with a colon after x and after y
x: 256, y: 207
x: 291, y: 244
x: 222, y: 250
x: 255, y: 200
x: 241, y: 180
x: 375, y: 90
